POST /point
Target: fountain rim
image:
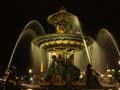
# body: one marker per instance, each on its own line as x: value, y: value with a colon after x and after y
x: 48, y: 41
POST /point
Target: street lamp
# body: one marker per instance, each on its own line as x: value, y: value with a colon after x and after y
x: 30, y: 71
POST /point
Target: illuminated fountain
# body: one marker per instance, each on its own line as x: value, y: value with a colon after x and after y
x: 67, y: 40
x: 72, y: 49
x: 64, y: 44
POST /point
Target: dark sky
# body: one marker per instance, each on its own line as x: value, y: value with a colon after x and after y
x: 94, y: 15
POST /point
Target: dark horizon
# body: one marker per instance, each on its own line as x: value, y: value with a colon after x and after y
x: 93, y: 14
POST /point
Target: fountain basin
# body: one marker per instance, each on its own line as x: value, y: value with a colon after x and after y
x: 50, y: 42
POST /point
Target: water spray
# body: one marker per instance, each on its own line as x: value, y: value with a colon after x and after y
x: 113, y: 41
x: 86, y: 48
x: 77, y: 23
x: 32, y: 25
x: 9, y: 63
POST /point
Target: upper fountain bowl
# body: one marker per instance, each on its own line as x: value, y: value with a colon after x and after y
x: 65, y: 22
x: 51, y: 42
x: 68, y: 33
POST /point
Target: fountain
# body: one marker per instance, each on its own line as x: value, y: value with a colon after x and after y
x: 68, y: 38
x: 63, y: 45
x: 59, y: 58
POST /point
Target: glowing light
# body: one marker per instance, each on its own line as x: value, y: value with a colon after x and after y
x: 81, y: 76
x: 42, y: 67
x: 113, y: 70
x: 59, y: 41
x: 119, y: 62
x: 108, y: 70
x: 102, y: 75
x: 119, y: 71
x: 42, y: 78
x: 109, y: 75
x: 31, y: 78
x: 30, y: 71
x: 84, y: 72
x: 53, y: 53
x: 22, y: 78
x: 29, y: 89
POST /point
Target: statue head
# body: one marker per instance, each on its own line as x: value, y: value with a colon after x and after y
x: 89, y: 66
x: 54, y: 58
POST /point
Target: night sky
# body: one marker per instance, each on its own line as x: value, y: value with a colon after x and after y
x: 94, y: 14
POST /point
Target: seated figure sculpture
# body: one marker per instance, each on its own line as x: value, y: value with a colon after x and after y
x: 72, y: 69
x: 62, y: 71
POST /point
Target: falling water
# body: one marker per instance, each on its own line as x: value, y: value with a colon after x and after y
x: 97, y: 55
x: 40, y: 59
x: 33, y: 29
x: 77, y: 28
x: 35, y: 53
x: 107, y: 42
x: 103, y: 52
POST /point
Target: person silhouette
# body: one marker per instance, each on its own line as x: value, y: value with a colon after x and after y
x: 12, y: 79
x: 92, y: 77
